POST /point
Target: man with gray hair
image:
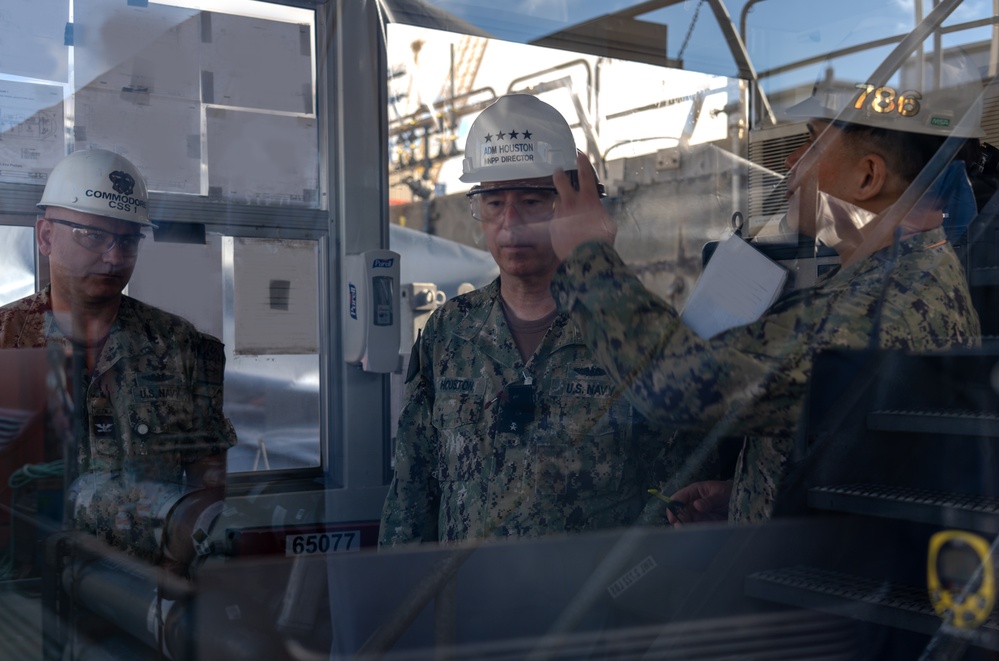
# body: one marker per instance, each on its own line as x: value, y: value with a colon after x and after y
x: 509, y: 428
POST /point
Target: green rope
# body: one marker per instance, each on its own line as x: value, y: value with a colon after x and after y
x: 30, y: 472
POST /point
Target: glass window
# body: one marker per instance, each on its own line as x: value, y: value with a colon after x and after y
x: 280, y: 139
x: 214, y: 103
x: 636, y: 121
x: 17, y: 263
x: 260, y: 296
x: 191, y: 97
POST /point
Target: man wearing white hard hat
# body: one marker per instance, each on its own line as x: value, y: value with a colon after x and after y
x: 900, y: 284
x: 152, y: 428
x: 509, y: 428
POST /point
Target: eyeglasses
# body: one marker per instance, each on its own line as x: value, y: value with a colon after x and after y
x: 101, y: 241
x: 533, y: 205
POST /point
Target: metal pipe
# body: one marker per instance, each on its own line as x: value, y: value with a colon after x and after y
x: 741, y: 56
x: 565, y: 65
x: 592, y: 148
x: 912, y: 41
x: 994, y: 48
x: 744, y: 15
x: 125, y: 598
x: 421, y: 120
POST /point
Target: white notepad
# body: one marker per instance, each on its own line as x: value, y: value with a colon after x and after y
x: 737, y: 286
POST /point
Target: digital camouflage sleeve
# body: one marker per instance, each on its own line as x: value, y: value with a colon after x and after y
x: 751, y: 381
x: 471, y: 462
x: 153, y: 408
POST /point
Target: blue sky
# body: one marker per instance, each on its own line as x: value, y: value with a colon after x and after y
x: 777, y: 31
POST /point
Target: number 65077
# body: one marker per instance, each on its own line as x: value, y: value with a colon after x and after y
x: 323, y: 542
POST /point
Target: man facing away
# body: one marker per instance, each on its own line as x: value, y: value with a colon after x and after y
x: 148, y: 384
x: 509, y: 428
x: 900, y: 286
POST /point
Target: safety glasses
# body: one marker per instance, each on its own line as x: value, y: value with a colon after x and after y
x: 533, y: 205
x: 101, y: 241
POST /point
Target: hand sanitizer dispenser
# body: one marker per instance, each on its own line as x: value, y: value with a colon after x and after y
x: 371, y: 310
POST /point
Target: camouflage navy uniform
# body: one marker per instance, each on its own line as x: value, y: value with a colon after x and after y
x: 461, y: 472
x: 751, y: 381
x: 153, y: 405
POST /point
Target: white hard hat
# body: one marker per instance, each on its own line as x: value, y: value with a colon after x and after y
x: 952, y: 108
x: 100, y: 182
x: 518, y: 137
